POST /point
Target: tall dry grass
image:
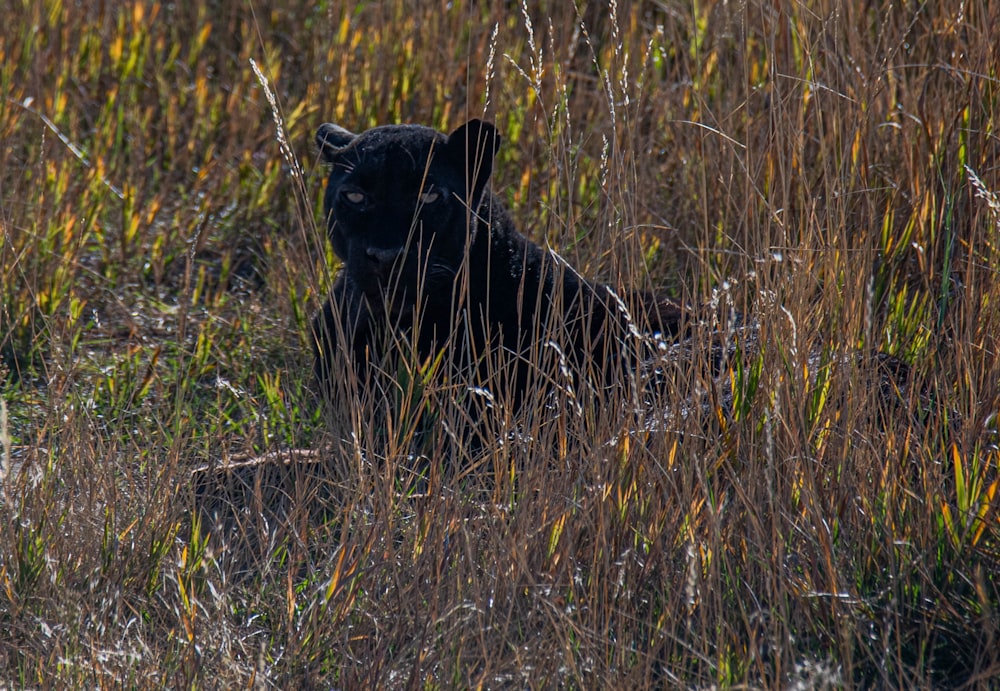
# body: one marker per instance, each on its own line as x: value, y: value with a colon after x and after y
x: 829, y: 169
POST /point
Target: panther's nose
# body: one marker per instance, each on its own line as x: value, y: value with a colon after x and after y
x: 383, y: 259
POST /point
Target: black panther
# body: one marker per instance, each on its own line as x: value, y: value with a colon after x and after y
x: 433, y: 263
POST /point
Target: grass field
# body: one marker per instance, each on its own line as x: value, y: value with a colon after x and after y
x: 831, y: 168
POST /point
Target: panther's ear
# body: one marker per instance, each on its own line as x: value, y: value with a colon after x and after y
x: 331, y: 139
x: 473, y: 146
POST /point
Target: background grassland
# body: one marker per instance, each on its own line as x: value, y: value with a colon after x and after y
x: 831, y: 168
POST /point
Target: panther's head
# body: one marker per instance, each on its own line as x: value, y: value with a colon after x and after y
x: 401, y: 204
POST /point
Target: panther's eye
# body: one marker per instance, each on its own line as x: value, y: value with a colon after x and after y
x: 354, y: 196
x: 429, y: 197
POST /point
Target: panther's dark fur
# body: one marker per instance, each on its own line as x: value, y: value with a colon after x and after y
x: 431, y: 259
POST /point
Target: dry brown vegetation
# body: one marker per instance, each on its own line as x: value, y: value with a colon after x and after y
x: 830, y: 168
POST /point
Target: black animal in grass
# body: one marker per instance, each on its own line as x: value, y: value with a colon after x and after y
x: 433, y: 263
